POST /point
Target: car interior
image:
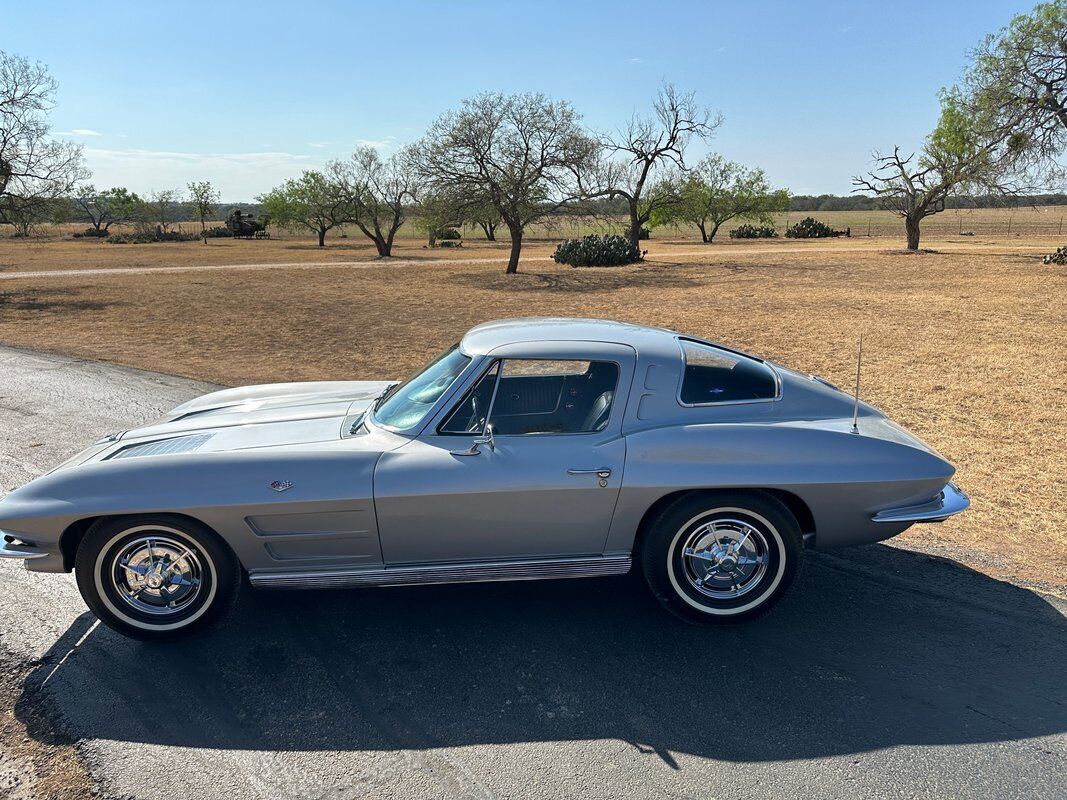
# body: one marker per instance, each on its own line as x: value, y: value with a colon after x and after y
x: 538, y: 396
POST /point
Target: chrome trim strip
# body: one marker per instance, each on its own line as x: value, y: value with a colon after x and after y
x: 11, y: 550
x: 446, y: 573
x: 952, y: 500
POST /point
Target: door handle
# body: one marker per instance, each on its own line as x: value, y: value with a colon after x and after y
x: 603, y: 473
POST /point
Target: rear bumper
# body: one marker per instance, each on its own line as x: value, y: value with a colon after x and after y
x: 950, y: 501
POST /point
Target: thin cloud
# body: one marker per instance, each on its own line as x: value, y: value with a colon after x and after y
x: 238, y: 176
x: 79, y: 132
x: 318, y: 144
x: 635, y: 61
x: 377, y: 144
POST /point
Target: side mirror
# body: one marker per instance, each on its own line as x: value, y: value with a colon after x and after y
x: 476, y: 446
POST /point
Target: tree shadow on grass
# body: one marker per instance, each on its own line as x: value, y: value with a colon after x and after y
x: 53, y: 301
x: 578, y: 280
x: 858, y: 659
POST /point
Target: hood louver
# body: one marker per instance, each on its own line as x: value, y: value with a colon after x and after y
x: 163, y: 447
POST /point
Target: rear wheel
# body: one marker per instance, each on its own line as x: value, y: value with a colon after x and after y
x: 722, y: 557
x: 156, y: 577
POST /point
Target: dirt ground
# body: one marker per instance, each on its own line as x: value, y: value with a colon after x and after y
x: 964, y: 344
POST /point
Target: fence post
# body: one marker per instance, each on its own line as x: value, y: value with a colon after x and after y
x: 1060, y: 231
x: 1009, y: 225
x: 868, y: 227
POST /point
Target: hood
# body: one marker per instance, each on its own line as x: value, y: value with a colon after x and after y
x: 280, y: 414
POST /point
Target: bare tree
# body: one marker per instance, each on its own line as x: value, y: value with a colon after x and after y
x: 35, y: 171
x: 204, y: 197
x: 380, y: 190
x: 955, y: 158
x: 518, y: 154
x: 162, y: 205
x: 643, y: 155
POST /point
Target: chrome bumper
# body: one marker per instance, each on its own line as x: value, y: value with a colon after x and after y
x: 951, y: 501
x: 12, y: 550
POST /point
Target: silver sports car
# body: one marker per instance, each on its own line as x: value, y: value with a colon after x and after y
x: 533, y: 448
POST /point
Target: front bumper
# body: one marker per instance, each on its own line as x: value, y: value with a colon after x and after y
x: 15, y: 549
x: 952, y: 500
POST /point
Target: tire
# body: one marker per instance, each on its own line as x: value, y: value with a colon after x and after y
x: 156, y: 577
x: 722, y: 585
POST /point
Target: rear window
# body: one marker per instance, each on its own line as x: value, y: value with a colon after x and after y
x: 716, y: 376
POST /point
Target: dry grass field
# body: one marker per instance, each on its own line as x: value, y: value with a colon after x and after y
x: 965, y: 345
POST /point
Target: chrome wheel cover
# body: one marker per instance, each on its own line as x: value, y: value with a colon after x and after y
x: 725, y: 558
x: 157, y: 574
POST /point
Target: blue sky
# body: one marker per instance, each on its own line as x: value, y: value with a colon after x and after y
x: 247, y: 94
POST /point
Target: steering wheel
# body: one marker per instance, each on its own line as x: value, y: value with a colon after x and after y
x: 476, y: 421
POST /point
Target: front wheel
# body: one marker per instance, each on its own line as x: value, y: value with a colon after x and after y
x: 156, y: 577
x: 722, y: 557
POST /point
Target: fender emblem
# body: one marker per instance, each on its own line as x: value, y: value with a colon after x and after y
x: 281, y: 486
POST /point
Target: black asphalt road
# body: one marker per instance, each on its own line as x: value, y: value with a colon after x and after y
x: 886, y: 673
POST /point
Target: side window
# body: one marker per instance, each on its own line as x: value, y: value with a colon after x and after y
x: 716, y: 376
x: 538, y: 396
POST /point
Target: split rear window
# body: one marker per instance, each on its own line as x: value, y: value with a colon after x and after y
x: 716, y: 376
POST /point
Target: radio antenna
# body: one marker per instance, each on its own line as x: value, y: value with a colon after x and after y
x: 856, y: 405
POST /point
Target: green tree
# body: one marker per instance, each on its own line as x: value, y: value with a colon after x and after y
x: 105, y: 208
x: 1016, y: 87
x: 716, y: 191
x: 203, y: 197
x: 313, y: 201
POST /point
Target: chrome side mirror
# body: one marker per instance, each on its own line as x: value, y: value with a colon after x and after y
x: 476, y: 446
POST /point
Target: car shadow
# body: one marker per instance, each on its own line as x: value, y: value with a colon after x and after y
x: 876, y: 647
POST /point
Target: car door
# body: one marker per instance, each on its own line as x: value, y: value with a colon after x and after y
x: 547, y: 483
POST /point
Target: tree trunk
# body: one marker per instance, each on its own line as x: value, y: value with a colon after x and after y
x: 714, y: 230
x: 384, y: 248
x: 911, y: 225
x: 634, y: 234
x: 322, y: 237
x: 516, y: 248
x: 490, y: 230
x: 703, y: 233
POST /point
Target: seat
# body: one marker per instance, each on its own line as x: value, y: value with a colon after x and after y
x: 597, y: 418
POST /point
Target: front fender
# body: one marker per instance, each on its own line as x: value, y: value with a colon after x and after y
x: 326, y: 516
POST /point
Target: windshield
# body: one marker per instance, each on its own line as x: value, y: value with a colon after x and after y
x: 410, y: 402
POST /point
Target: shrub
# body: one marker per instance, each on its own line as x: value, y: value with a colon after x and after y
x: 643, y: 234
x: 449, y: 243
x: 448, y: 234
x: 150, y: 237
x: 91, y: 233
x: 596, y: 251
x: 811, y: 228
x: 216, y: 232
x: 1059, y: 257
x: 748, y: 231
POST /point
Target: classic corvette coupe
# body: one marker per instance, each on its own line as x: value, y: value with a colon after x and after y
x: 533, y: 448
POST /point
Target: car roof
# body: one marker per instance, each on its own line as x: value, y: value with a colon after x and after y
x: 488, y: 336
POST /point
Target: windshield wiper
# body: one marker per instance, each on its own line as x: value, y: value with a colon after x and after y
x: 383, y: 395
